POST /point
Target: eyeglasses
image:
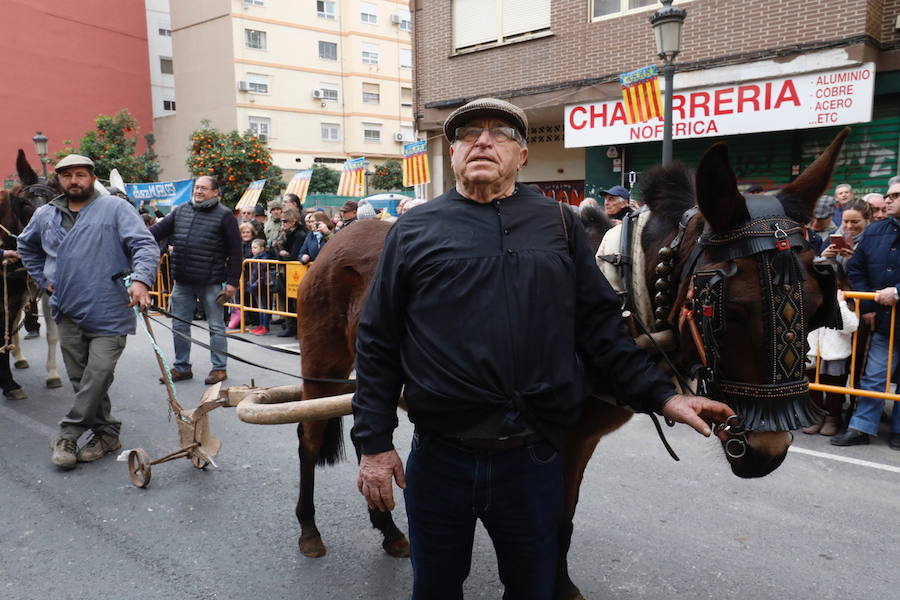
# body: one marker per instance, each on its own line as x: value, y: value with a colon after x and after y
x: 498, y: 134
x: 894, y: 196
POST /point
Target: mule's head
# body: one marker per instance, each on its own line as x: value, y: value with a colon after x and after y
x: 32, y: 192
x: 756, y: 294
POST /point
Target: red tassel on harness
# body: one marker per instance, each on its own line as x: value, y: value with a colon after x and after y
x: 709, y: 311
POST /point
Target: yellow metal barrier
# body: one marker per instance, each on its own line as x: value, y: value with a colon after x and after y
x: 849, y: 388
x: 269, y: 299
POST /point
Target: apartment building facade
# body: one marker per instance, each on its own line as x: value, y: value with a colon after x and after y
x: 159, y: 51
x: 318, y: 80
x: 774, y: 78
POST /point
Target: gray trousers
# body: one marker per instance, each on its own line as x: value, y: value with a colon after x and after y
x: 90, y: 363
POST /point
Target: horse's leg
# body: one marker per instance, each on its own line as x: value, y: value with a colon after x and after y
x: 53, y: 379
x: 18, y: 357
x: 11, y: 389
x: 598, y: 419
x: 309, y: 436
x: 20, y: 362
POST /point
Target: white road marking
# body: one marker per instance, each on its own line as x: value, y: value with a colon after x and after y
x: 846, y: 459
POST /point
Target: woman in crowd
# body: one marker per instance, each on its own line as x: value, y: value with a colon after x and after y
x: 319, y: 232
x: 287, y: 249
x: 247, y: 232
x: 854, y: 219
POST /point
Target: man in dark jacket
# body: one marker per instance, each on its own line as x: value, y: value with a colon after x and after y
x: 484, y: 300
x: 875, y: 266
x: 206, y: 253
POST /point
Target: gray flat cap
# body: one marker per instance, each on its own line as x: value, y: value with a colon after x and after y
x: 482, y: 108
x: 74, y: 160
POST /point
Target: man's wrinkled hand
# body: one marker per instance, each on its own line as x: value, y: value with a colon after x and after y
x: 696, y: 411
x: 886, y: 297
x: 377, y: 473
x: 140, y: 295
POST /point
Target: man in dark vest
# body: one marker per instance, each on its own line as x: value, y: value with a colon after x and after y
x: 206, y: 253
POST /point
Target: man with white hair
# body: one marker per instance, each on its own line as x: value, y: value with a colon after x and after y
x: 843, y: 194
x: 478, y: 304
x: 876, y: 203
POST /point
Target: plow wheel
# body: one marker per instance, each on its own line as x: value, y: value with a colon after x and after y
x: 139, y: 467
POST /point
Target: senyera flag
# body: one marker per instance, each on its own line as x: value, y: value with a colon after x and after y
x: 299, y: 184
x: 415, y: 164
x: 640, y: 91
x: 353, y: 177
x: 251, y: 195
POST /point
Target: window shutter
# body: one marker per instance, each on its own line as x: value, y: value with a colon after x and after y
x: 520, y: 16
x: 475, y: 22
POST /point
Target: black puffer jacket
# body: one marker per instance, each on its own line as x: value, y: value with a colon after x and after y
x: 206, y: 242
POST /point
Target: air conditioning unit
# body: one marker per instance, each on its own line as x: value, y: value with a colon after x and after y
x: 243, y: 86
x: 398, y: 137
x: 318, y: 93
x: 395, y: 19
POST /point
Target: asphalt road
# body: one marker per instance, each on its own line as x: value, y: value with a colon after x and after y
x: 823, y: 526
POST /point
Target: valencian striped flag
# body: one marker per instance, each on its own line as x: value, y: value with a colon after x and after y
x: 415, y: 164
x: 640, y: 91
x: 251, y: 195
x: 299, y: 184
x: 353, y: 177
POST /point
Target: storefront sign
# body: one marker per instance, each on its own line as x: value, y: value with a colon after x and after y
x: 797, y: 102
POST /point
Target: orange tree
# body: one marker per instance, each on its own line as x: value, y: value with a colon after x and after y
x: 114, y: 145
x: 234, y: 159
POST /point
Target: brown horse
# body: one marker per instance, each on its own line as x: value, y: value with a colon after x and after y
x: 16, y: 208
x: 334, y: 290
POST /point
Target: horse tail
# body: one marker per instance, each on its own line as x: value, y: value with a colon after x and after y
x: 332, y: 450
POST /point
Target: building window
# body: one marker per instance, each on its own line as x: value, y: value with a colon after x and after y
x: 261, y: 127
x: 406, y: 97
x: 165, y: 32
x: 328, y: 50
x: 331, y: 132
x: 371, y: 93
x: 405, y: 58
x: 329, y: 92
x: 168, y: 105
x: 480, y: 22
x: 372, y: 133
x: 405, y: 20
x: 325, y: 9
x: 370, y: 54
x: 165, y: 65
x: 257, y: 84
x: 368, y: 13
x: 602, y: 8
x: 408, y: 133
x: 255, y: 39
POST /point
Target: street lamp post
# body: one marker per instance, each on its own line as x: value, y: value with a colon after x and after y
x: 667, y: 23
x: 40, y: 148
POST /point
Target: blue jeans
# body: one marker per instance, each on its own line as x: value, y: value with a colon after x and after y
x: 517, y: 494
x: 182, y: 302
x: 868, y: 410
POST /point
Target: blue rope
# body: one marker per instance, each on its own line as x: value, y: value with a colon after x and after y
x: 159, y: 352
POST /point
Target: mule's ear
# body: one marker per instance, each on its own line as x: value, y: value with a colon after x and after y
x: 718, y: 197
x: 816, y: 178
x: 26, y: 174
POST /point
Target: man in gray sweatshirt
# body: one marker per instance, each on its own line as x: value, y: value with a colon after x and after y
x: 72, y: 248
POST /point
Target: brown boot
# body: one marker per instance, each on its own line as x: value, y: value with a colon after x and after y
x: 830, y: 427
x: 813, y: 429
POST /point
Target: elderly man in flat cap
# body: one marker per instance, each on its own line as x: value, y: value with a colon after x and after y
x: 481, y: 305
x: 72, y: 248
